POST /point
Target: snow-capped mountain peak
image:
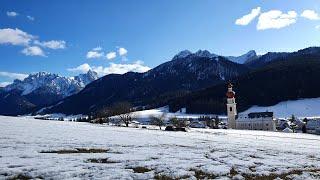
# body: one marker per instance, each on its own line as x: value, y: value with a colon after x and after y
x: 247, y: 57
x: 182, y: 54
x: 205, y: 53
x: 199, y: 53
x: 53, y: 83
x: 87, y: 78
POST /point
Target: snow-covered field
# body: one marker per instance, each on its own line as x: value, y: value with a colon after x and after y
x: 300, y: 108
x: 132, y: 153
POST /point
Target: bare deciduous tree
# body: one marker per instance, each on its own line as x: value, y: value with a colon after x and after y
x: 178, y: 122
x: 102, y: 115
x: 158, y: 120
x: 123, y: 111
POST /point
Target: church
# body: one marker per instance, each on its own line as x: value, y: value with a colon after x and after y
x: 252, y: 121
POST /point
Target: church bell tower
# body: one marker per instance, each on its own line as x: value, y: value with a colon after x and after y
x: 231, y: 107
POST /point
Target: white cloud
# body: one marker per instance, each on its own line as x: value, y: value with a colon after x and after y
x: 12, y: 14
x: 33, y: 51
x: 310, y: 14
x: 275, y: 19
x: 122, y: 51
x: 94, y: 54
x: 53, y: 44
x: 83, y: 68
x: 246, y: 19
x: 30, y: 18
x: 111, y: 55
x: 122, y: 68
x: 13, y: 75
x: 31, y: 43
x: 98, y: 48
x: 4, y: 84
x: 318, y: 27
x: 113, y: 68
x: 14, y: 37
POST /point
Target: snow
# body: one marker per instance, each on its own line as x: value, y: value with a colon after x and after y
x: 65, y: 86
x: 251, y: 55
x: 172, y: 154
x: 199, y: 53
x: 205, y: 53
x: 57, y: 116
x: 144, y: 116
x: 182, y: 54
x: 300, y: 108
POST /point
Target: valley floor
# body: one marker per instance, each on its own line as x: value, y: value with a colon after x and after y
x: 59, y: 150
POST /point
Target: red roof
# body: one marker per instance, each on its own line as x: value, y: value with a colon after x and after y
x: 230, y: 94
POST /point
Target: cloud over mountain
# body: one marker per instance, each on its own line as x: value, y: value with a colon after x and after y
x: 111, y: 55
x: 310, y: 14
x: 246, y: 19
x: 33, y: 51
x: 113, y: 68
x: 17, y: 37
x: 276, y: 19
x: 13, y: 75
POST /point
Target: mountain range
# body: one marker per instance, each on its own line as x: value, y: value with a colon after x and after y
x: 192, y: 80
x: 39, y: 90
x: 185, y: 73
x: 285, y: 78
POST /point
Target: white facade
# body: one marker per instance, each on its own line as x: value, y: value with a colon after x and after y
x: 313, y: 126
x: 256, y: 121
x: 232, y: 112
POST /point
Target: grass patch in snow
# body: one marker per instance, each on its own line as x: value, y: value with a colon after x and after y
x: 101, y: 160
x: 23, y: 177
x: 162, y: 177
x: 165, y: 177
x: 76, y: 150
x: 199, y: 174
x: 285, y: 175
x: 140, y: 169
x: 233, y: 172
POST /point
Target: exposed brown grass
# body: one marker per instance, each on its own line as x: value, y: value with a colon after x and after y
x: 101, y: 160
x: 281, y: 176
x: 23, y: 177
x: 140, y: 169
x: 233, y: 172
x: 199, y: 174
x: 162, y: 177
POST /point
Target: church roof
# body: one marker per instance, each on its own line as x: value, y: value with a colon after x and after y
x: 260, y: 114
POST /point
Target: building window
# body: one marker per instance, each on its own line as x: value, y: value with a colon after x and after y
x: 230, y: 109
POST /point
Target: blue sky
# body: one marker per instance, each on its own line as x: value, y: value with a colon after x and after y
x: 57, y: 36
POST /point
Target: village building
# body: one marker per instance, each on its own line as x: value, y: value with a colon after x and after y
x: 252, y: 121
x: 313, y: 125
x: 256, y: 121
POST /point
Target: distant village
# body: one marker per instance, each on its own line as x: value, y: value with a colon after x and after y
x: 124, y: 115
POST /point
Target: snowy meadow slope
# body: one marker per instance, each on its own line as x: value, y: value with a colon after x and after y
x: 300, y: 108
x: 59, y: 150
